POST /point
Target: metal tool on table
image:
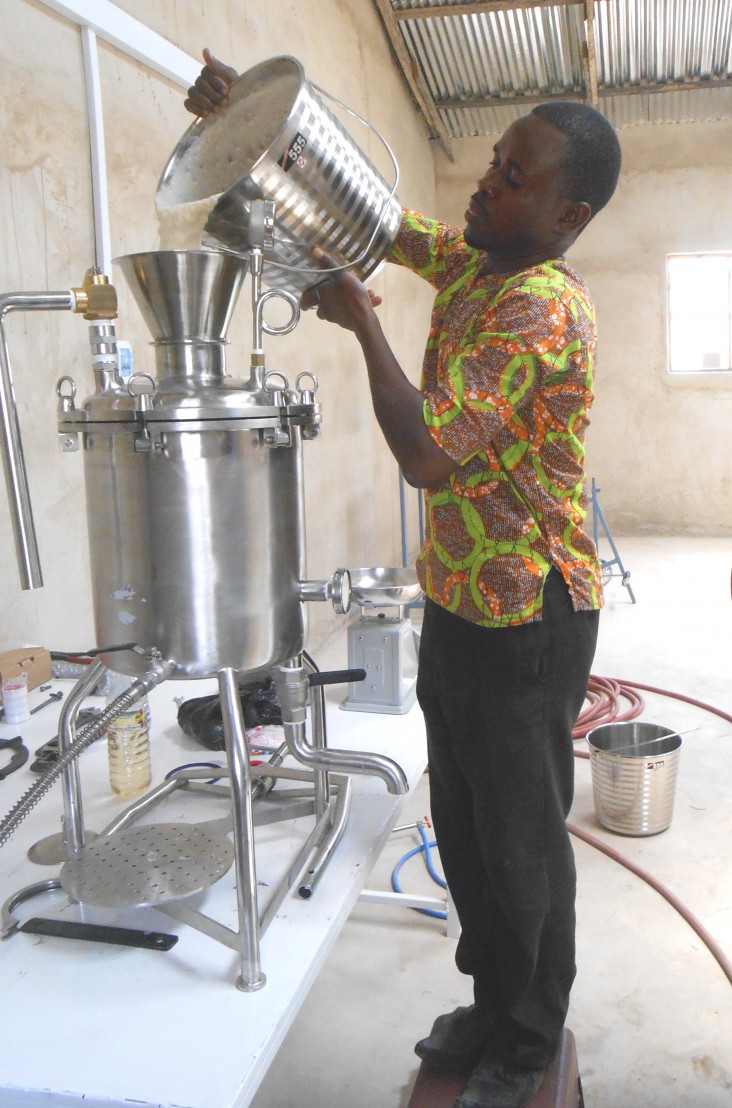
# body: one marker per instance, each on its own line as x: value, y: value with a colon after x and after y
x: 195, y: 499
x: 52, y: 699
x: 18, y: 755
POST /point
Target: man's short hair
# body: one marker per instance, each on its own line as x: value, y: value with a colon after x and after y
x: 592, y: 164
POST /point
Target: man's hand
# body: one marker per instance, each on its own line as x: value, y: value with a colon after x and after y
x: 340, y: 298
x: 211, y: 90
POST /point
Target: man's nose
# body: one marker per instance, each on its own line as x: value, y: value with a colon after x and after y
x: 487, y: 184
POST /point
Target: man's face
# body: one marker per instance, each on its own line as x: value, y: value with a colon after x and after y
x: 515, y: 214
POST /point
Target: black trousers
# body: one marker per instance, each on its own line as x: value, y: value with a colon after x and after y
x: 499, y: 706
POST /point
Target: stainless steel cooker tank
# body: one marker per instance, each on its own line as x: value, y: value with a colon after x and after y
x: 194, y: 486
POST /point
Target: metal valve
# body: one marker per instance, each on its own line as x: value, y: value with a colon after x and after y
x: 341, y: 591
x: 337, y: 590
x: 96, y: 299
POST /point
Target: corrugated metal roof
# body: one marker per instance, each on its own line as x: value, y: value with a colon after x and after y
x: 474, y: 65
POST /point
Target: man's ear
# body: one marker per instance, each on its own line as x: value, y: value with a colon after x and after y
x: 575, y: 217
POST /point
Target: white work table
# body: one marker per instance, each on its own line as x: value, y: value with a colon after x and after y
x: 104, y: 1026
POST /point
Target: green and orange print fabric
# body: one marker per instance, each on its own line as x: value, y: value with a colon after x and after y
x: 507, y: 378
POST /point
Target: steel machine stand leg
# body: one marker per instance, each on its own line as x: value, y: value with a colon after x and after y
x: 237, y: 752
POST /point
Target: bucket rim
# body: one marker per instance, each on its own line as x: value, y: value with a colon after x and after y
x: 645, y: 747
x: 200, y: 125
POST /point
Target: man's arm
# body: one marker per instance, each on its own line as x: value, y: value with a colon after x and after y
x: 342, y: 299
x: 398, y: 405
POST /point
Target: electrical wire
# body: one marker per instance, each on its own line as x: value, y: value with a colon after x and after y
x: 425, y: 848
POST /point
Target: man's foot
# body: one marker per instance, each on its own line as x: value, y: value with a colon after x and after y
x: 456, y: 1042
x: 494, y: 1085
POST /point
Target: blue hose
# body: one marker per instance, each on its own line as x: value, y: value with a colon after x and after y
x: 426, y: 850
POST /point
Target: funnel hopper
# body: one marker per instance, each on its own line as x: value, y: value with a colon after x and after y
x: 185, y: 294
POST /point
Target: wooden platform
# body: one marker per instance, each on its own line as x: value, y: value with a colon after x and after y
x: 561, y: 1087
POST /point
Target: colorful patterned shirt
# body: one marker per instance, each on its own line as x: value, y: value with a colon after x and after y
x: 507, y: 379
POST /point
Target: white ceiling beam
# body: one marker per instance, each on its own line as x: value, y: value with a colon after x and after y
x: 129, y: 35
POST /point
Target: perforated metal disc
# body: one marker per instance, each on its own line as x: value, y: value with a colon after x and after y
x: 146, y: 865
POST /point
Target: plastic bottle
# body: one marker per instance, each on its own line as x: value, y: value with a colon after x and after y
x: 15, y: 698
x: 128, y: 743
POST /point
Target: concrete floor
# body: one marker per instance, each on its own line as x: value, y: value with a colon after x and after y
x: 651, y: 1009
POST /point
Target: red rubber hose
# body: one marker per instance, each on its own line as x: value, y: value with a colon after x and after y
x: 711, y: 944
x: 604, y: 695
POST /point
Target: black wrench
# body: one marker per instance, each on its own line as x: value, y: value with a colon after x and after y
x: 55, y: 696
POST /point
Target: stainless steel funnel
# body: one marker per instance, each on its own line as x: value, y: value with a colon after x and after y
x: 187, y: 298
x: 185, y: 294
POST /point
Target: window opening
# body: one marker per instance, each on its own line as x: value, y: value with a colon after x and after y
x: 699, y: 312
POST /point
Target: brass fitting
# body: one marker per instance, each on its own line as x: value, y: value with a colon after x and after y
x: 96, y: 298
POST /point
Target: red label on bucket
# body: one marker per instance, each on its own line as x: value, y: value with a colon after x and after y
x: 293, y: 153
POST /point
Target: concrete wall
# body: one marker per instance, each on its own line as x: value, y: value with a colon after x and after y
x: 659, y: 447
x: 48, y: 243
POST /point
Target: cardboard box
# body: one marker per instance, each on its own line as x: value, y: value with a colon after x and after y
x: 33, y: 660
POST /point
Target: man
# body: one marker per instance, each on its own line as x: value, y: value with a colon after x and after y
x: 495, y: 436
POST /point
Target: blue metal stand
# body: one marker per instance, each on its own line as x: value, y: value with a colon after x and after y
x: 598, y: 519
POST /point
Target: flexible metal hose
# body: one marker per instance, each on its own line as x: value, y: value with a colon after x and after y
x: 85, y: 738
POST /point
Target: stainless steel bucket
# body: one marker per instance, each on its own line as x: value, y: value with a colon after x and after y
x: 634, y: 767
x: 278, y: 141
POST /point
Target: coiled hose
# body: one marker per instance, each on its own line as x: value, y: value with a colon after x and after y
x: 605, y: 695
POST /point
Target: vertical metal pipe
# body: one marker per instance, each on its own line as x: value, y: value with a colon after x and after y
x: 321, y: 787
x: 237, y: 752
x: 73, y: 818
x: 95, y: 114
x: 26, y: 544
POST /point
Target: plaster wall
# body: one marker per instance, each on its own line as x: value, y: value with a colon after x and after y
x: 352, y: 491
x: 658, y: 446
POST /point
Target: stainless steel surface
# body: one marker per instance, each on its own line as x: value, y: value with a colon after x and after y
x: 72, y: 824
x: 325, y: 190
x: 51, y: 851
x: 237, y: 756
x: 319, y: 861
x: 379, y: 587
x: 293, y: 690
x: 146, y: 865
x: 16, y: 478
x: 634, y: 792
x: 195, y: 500
x: 648, y: 746
x: 185, y: 295
x: 195, y: 503
x: 8, y: 923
